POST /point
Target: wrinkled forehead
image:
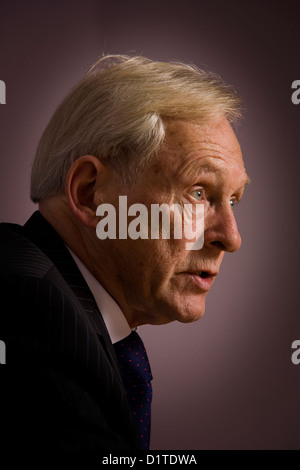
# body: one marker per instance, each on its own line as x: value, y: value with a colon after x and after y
x: 189, y: 137
x: 212, y: 145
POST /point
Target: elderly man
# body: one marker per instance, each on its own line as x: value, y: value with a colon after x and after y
x: 157, y: 133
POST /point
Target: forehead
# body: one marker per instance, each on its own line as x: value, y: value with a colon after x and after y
x: 211, y: 147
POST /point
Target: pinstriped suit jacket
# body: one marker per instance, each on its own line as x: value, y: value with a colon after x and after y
x: 61, y: 374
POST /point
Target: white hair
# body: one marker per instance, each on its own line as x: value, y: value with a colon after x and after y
x: 117, y: 113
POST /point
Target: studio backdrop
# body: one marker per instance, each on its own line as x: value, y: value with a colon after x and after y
x: 232, y: 379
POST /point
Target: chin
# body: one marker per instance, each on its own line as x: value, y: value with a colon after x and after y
x: 185, y: 309
x: 192, y: 317
x: 192, y: 312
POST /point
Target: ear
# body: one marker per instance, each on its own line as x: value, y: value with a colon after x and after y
x: 83, y: 179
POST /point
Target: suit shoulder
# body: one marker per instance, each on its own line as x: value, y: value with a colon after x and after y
x: 19, y: 256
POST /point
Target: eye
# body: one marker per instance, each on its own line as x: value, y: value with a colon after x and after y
x: 233, y: 203
x: 198, y: 194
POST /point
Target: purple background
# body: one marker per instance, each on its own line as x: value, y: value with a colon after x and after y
x: 227, y: 381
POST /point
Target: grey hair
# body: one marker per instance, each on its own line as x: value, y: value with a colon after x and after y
x: 117, y: 112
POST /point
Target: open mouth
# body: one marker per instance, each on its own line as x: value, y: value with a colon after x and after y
x: 203, y: 274
x: 201, y: 280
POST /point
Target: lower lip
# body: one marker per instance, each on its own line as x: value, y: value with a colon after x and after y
x: 203, y: 283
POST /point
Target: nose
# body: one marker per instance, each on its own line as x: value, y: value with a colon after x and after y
x: 221, y: 229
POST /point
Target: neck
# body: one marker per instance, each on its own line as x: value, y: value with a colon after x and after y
x: 83, y: 242
x: 56, y: 211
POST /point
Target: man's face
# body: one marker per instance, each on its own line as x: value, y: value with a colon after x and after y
x: 158, y: 281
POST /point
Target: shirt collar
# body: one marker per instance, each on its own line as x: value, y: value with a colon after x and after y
x: 114, y: 319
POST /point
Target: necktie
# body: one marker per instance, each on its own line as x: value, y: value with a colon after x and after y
x: 136, y: 375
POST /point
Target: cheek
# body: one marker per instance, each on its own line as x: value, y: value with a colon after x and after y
x: 153, y: 263
x: 165, y: 257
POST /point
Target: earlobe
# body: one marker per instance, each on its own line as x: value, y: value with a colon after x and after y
x: 82, y: 181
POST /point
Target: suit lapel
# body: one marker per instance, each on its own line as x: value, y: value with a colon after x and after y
x: 43, y: 235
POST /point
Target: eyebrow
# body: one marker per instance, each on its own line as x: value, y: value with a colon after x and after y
x: 209, y: 168
x: 248, y: 180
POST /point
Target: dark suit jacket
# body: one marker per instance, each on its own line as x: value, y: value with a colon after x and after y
x: 61, y: 387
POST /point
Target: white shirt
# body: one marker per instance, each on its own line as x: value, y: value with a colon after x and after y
x: 114, y: 318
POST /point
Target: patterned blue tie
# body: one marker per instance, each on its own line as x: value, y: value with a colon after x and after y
x: 136, y: 375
